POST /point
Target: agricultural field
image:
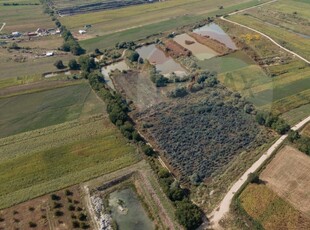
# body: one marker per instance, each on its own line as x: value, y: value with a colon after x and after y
x: 23, y: 18
x: 281, y: 82
x: 46, y: 108
x: 306, y: 130
x: 66, y: 8
x: 52, y: 158
x: 288, y: 25
x: 141, y: 21
x: 287, y: 175
x: 64, y: 209
x: 270, y: 210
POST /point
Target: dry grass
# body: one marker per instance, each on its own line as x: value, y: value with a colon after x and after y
x: 274, y: 213
x: 288, y: 175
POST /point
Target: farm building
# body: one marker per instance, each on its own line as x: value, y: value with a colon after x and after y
x: 82, y: 31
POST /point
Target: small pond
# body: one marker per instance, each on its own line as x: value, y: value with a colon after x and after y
x: 216, y: 32
x: 163, y: 62
x: 128, y: 212
x: 121, y: 66
x: 202, y: 52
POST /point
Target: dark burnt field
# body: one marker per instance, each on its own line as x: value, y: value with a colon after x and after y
x: 201, y: 133
x: 101, y: 5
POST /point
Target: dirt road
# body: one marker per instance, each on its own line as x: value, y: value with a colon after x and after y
x: 223, y: 208
x: 265, y: 35
x: 3, y: 25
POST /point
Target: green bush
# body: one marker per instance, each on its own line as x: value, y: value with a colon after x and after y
x: 188, y: 215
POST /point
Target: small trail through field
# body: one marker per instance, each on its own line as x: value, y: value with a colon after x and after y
x: 261, y: 33
x: 3, y: 25
x: 223, y: 208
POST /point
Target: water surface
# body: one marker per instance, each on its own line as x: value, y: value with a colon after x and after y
x: 130, y: 214
x: 163, y: 62
x: 216, y: 32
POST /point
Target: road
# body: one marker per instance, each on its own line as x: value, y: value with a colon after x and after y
x: 265, y: 35
x: 3, y: 25
x: 223, y: 208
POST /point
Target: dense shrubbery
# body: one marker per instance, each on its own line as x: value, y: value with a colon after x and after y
x: 302, y: 142
x: 271, y: 121
x: 178, y: 92
x: 70, y: 44
x: 187, y: 213
x: 202, y: 136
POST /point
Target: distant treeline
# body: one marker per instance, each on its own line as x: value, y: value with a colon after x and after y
x: 20, y: 4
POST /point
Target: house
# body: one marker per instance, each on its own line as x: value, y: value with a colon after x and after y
x: 49, y: 54
x: 32, y: 34
x: 82, y: 31
x: 16, y: 34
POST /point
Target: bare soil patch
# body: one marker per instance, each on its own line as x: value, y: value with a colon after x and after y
x: 288, y: 175
x: 48, y: 213
x: 176, y: 50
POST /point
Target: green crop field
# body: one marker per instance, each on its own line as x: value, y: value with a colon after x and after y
x: 295, y: 115
x: 37, y: 110
x: 24, y: 18
x: 230, y: 62
x: 138, y: 22
x: 45, y: 160
x: 266, y: 207
x: 279, y: 94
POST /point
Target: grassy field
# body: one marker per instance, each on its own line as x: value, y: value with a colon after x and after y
x: 230, y: 62
x: 282, y: 35
x: 306, y: 130
x: 37, y: 110
x: 118, y: 28
x: 295, y: 115
x: 24, y: 18
x: 96, y: 148
x: 274, y: 213
x: 12, y: 66
x: 287, y: 175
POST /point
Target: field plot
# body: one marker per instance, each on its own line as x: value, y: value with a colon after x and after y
x: 138, y: 22
x: 37, y: 110
x: 288, y: 176
x: 20, y: 64
x: 48, y: 159
x: 281, y: 84
x: 67, y: 8
x: 139, y: 88
x: 24, y: 18
x: 270, y: 210
x: 297, y: 114
x: 195, y: 138
x: 289, y: 29
x: 306, y: 130
x: 61, y: 210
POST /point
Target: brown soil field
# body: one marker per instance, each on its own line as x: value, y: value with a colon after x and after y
x: 41, y: 212
x: 139, y: 88
x: 211, y: 43
x: 175, y: 50
x: 288, y: 175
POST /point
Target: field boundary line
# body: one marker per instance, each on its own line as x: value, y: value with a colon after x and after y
x: 261, y: 33
x: 3, y: 25
x: 218, y: 213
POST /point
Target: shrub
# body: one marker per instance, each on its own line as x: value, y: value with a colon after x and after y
x: 71, y: 207
x: 73, y: 64
x: 55, y: 197
x: 148, y: 150
x: 134, y: 56
x: 59, y: 64
x: 75, y: 224
x: 58, y: 213
x: 31, y: 209
x: 57, y: 205
x: 188, y: 214
x: 82, y: 217
x: 32, y: 224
